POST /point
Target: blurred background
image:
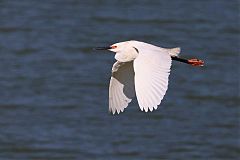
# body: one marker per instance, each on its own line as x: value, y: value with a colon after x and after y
x: 54, y: 87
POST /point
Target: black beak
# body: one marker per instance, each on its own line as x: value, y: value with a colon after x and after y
x: 102, y: 48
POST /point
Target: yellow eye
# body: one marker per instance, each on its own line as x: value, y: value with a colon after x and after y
x: 113, y: 47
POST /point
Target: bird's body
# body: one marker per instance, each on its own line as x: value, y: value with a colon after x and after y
x: 141, y: 70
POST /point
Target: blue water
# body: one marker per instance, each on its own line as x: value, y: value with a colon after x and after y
x: 54, y: 87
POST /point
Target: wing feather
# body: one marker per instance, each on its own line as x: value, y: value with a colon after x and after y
x: 152, y: 69
x: 121, y: 89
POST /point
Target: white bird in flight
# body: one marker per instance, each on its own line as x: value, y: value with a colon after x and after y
x: 141, y: 70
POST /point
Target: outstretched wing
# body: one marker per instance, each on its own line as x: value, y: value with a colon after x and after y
x: 152, y: 69
x: 121, y: 89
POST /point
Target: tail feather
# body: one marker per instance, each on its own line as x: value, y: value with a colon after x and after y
x: 174, y: 51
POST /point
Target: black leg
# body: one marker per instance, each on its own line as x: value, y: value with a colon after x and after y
x: 180, y: 60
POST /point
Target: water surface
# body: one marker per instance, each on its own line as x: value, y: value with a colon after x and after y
x: 54, y: 87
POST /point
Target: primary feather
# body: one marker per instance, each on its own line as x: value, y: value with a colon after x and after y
x: 152, y: 70
x: 121, y: 88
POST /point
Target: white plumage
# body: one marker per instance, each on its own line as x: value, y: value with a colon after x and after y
x: 121, y: 88
x: 152, y: 70
x: 141, y: 69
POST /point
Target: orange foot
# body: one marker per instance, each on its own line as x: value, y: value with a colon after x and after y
x: 195, y: 62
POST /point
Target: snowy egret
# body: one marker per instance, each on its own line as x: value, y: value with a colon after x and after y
x: 141, y: 69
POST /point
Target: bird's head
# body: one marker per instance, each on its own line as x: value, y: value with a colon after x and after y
x: 117, y: 47
x: 125, y: 51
